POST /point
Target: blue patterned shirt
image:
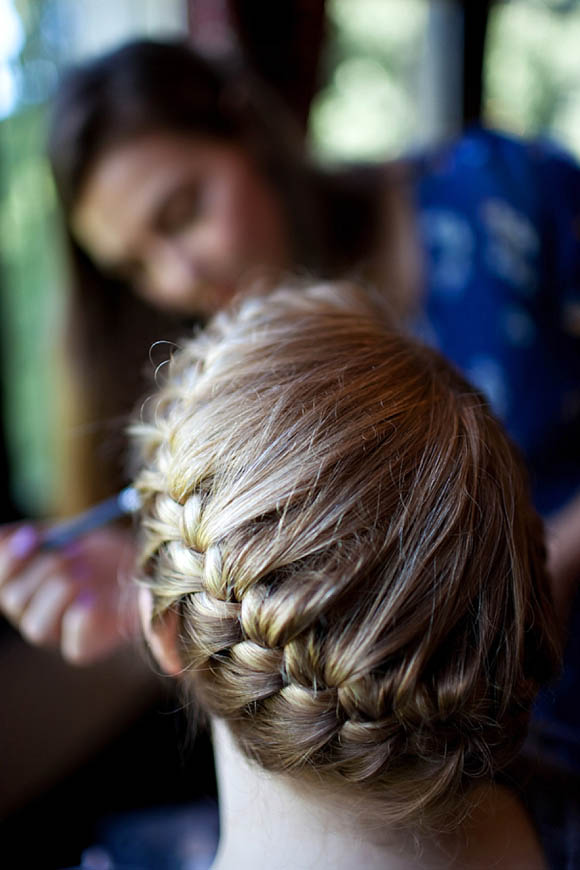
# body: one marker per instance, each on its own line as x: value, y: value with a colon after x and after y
x: 500, y: 225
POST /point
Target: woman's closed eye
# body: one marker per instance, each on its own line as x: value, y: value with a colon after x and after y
x: 180, y: 209
x: 130, y: 272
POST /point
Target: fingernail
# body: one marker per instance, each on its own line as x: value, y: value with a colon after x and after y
x: 23, y: 542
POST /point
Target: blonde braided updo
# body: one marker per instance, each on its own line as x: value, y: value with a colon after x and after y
x: 346, y: 535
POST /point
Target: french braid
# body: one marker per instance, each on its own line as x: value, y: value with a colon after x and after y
x: 346, y: 534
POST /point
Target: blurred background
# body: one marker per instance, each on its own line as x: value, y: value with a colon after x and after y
x: 368, y: 80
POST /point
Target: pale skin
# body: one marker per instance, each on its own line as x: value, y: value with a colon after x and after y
x: 187, y: 222
x: 270, y: 822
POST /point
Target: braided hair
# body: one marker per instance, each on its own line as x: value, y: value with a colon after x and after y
x: 346, y: 535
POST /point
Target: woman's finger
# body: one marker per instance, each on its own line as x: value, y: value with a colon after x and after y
x: 91, y: 629
x: 41, y: 620
x: 17, y: 592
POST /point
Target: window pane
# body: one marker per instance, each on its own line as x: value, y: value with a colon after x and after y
x: 532, y: 69
x: 369, y: 106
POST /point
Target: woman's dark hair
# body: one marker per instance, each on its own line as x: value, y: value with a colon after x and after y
x: 146, y: 86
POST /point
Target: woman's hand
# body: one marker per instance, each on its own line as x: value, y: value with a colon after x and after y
x: 563, y: 542
x: 80, y: 600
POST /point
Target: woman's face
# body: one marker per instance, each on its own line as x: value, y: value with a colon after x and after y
x: 187, y: 222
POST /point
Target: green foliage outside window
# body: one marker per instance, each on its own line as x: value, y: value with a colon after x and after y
x: 368, y: 108
x: 532, y: 71
x: 31, y: 275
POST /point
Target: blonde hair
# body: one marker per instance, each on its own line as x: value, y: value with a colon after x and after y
x: 346, y: 535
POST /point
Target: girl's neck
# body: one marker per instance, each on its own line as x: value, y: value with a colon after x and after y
x: 267, y: 823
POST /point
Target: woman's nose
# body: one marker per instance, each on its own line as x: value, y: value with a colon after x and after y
x: 173, y: 271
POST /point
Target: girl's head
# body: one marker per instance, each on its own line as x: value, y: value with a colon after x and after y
x: 174, y: 175
x: 341, y: 555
